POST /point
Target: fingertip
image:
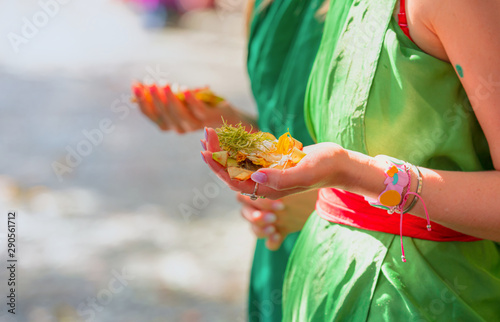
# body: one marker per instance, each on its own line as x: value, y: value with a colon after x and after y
x: 212, y: 133
x: 206, y: 155
x: 137, y: 91
x: 167, y: 89
x: 259, y: 177
x: 179, y: 130
x: 269, y: 230
x: 273, y: 243
x: 278, y: 205
x: 259, y: 232
x: 276, y: 237
x: 256, y: 214
x: 212, y: 138
x: 270, y: 218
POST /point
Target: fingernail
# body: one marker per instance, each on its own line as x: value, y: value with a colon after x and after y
x: 206, y: 134
x: 203, y: 145
x: 270, y: 217
x: 269, y: 230
x: 256, y: 214
x: 187, y: 94
x: 278, y: 205
x: 275, y: 237
x: 153, y: 89
x: 203, y: 157
x: 137, y: 92
x: 259, y: 177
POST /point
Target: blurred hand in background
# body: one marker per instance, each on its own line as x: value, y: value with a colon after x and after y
x: 275, y: 219
x: 170, y: 113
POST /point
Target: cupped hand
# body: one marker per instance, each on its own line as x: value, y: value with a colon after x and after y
x: 321, y: 167
x: 274, y: 220
x: 166, y: 110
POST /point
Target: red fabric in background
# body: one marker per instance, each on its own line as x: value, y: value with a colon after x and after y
x: 350, y: 209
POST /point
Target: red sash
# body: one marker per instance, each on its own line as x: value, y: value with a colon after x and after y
x: 350, y: 209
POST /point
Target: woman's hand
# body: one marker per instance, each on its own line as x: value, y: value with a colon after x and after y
x: 274, y: 220
x: 163, y: 108
x: 323, y: 166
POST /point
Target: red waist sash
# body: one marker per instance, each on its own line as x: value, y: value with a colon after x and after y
x: 350, y: 209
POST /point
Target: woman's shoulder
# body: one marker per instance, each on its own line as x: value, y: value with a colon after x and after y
x: 432, y: 23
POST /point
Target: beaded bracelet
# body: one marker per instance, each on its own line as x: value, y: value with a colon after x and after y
x: 418, y: 192
x: 397, y: 180
x: 392, y: 199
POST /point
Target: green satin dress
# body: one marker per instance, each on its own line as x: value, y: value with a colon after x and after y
x: 374, y: 91
x: 284, y: 39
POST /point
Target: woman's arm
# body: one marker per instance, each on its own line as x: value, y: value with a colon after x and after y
x: 463, y: 201
x: 469, y: 33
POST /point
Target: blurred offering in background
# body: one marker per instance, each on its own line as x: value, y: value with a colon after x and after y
x: 117, y: 221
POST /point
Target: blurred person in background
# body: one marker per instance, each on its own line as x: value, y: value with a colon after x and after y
x: 284, y: 37
x: 160, y: 13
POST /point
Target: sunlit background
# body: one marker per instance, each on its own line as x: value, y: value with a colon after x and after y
x: 117, y: 221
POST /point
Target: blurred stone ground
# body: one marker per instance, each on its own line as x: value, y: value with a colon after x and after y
x: 111, y: 230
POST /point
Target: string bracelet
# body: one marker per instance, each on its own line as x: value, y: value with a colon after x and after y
x: 419, y: 189
x: 397, y: 191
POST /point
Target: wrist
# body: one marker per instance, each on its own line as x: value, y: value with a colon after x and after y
x: 415, y: 187
x: 339, y: 172
x: 362, y: 174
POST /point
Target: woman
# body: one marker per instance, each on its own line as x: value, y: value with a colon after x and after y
x: 283, y: 41
x: 415, y: 82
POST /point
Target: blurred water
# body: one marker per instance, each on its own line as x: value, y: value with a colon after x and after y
x: 120, y: 207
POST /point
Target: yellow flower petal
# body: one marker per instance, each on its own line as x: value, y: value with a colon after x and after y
x: 285, y: 144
